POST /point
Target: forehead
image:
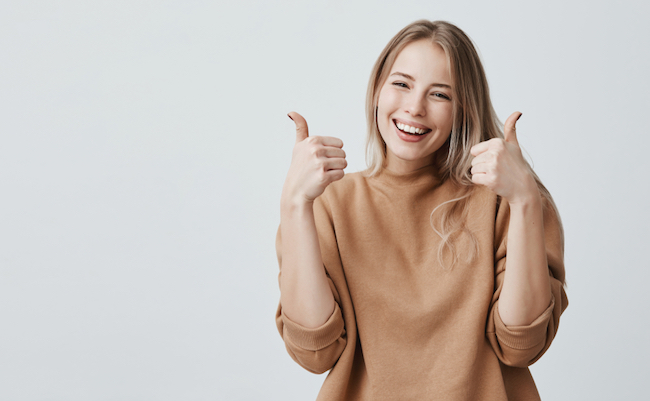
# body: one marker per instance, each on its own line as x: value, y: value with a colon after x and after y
x: 423, y: 60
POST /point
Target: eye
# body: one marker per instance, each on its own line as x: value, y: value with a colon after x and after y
x: 440, y: 95
x: 400, y: 84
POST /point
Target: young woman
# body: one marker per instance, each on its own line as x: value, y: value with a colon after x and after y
x: 436, y: 274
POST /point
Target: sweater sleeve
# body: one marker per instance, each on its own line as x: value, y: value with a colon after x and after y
x: 521, y: 346
x: 318, y: 349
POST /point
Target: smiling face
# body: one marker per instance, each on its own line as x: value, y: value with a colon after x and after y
x: 414, y: 110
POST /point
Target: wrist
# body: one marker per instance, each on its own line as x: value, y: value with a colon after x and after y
x: 296, y: 204
x: 528, y: 195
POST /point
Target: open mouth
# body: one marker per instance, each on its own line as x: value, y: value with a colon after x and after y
x: 407, y: 129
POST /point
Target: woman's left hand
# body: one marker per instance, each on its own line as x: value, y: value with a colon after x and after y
x: 499, y: 165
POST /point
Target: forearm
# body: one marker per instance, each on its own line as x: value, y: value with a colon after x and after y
x: 306, y: 296
x: 526, y: 290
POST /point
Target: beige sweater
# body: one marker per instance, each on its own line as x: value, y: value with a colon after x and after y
x: 404, y: 327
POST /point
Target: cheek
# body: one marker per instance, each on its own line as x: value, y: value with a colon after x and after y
x: 387, y: 100
x: 384, y: 109
x: 444, y: 118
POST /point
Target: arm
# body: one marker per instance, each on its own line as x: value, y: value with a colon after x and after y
x: 309, y: 317
x: 317, y: 161
x: 526, y: 291
x: 527, y: 297
x: 499, y: 165
x: 315, y: 349
x: 306, y: 297
x: 522, y: 344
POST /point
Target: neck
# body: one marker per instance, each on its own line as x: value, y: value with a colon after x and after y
x: 400, y: 166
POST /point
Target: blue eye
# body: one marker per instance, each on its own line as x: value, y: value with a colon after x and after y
x: 400, y: 84
x: 441, y: 95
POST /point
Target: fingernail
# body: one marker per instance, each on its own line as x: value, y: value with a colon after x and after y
x: 290, y: 117
x: 519, y: 116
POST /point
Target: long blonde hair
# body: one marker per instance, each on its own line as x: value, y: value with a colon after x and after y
x: 474, y: 121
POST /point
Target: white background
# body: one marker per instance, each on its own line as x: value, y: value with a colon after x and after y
x: 143, y: 147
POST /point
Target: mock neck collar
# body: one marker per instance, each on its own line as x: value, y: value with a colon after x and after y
x: 427, y: 175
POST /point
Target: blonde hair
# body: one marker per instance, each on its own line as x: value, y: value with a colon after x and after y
x: 474, y: 121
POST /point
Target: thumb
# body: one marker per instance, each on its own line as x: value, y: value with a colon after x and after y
x: 302, y: 132
x: 509, y: 130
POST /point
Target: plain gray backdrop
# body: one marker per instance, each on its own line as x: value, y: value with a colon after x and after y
x: 143, y: 149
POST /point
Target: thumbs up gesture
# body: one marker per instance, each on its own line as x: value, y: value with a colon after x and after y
x: 317, y: 161
x: 499, y: 165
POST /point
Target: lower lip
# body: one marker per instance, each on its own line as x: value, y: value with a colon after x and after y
x: 409, y: 138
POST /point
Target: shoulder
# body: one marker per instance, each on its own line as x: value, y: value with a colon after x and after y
x: 345, y: 189
x: 344, y: 195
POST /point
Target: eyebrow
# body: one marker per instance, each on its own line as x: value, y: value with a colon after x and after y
x: 407, y: 76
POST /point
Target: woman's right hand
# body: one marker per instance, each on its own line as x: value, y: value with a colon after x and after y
x: 317, y: 161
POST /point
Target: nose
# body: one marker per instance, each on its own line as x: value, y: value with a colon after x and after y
x: 415, y: 105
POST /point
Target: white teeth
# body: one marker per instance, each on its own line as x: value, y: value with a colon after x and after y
x: 409, y: 129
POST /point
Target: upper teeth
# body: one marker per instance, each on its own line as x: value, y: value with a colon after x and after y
x: 408, y: 128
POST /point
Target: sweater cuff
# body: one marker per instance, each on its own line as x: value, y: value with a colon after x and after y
x: 523, y: 337
x: 319, y: 337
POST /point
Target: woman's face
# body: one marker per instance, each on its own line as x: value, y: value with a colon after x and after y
x: 414, y: 110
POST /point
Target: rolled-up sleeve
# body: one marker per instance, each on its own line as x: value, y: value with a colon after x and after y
x: 315, y: 349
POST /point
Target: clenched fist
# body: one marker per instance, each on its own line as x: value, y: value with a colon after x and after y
x: 317, y: 161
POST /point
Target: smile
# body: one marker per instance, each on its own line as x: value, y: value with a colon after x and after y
x: 407, y: 129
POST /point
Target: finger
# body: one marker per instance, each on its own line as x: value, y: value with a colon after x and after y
x: 479, y: 148
x: 302, y: 131
x: 481, y: 168
x: 335, y: 163
x: 479, y: 179
x: 509, y: 130
x: 334, y: 175
x: 331, y: 151
x: 330, y: 141
x: 484, y: 157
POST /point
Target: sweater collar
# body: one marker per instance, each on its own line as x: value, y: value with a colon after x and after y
x: 427, y: 175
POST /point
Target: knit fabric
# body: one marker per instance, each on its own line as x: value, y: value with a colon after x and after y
x: 405, y: 326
